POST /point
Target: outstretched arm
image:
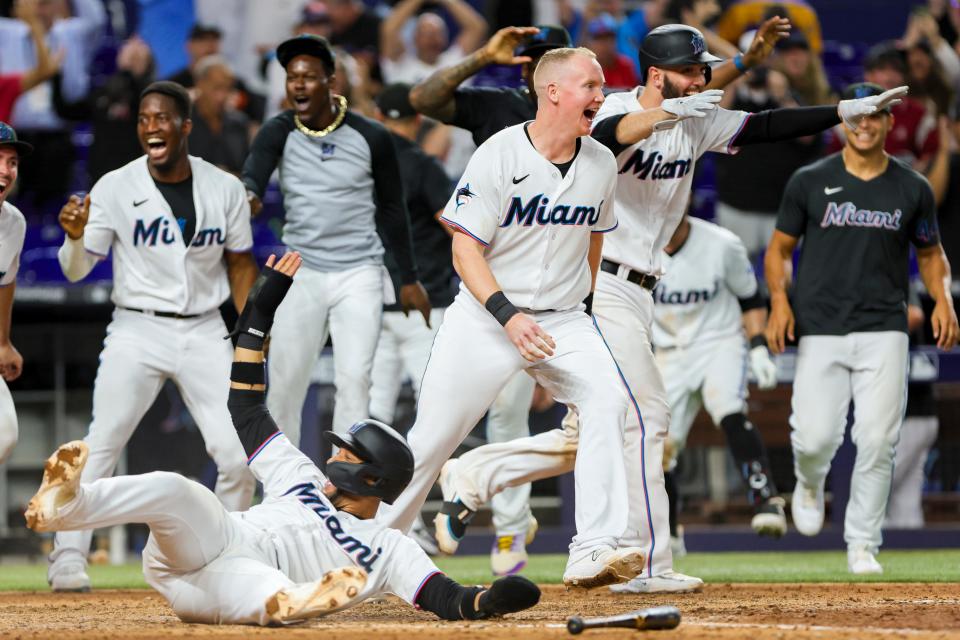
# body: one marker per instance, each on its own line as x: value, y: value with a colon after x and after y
x: 452, y: 601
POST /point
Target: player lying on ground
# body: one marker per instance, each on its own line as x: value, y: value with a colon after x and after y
x: 310, y: 548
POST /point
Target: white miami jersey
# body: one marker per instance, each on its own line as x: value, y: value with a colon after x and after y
x: 152, y: 267
x: 13, y: 229
x: 535, y: 223
x: 655, y: 177
x: 697, y: 299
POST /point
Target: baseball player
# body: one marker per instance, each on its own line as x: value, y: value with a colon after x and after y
x: 13, y: 228
x: 310, y: 548
x: 530, y: 214
x: 179, y: 230
x: 484, y: 111
x: 657, y: 131
x: 858, y: 212
x: 341, y: 184
x: 708, y: 310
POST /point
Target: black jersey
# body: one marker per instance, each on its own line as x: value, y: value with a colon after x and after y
x: 853, y: 273
x: 485, y: 111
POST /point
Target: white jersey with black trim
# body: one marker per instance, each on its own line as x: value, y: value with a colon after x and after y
x: 697, y: 300
x: 13, y: 229
x: 535, y: 222
x: 152, y: 267
x: 655, y: 177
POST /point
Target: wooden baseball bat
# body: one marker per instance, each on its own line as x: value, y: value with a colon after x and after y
x: 666, y: 617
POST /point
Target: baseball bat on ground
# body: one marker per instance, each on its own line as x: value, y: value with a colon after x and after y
x: 666, y: 617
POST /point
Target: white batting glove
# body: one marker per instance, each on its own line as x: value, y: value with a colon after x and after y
x: 695, y: 106
x: 763, y: 367
x: 851, y: 111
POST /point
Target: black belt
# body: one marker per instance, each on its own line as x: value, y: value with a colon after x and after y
x: 645, y: 280
x: 163, y: 314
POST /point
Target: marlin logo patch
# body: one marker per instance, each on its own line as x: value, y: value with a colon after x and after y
x: 327, y: 150
x: 696, y: 41
x: 463, y: 195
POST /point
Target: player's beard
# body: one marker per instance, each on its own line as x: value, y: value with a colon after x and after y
x: 669, y: 89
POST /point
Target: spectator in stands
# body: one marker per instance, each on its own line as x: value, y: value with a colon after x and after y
x: 632, y: 25
x: 356, y: 29
x: 803, y: 70
x: 743, y: 15
x: 431, y: 48
x: 14, y: 84
x: 46, y: 174
x: 698, y: 14
x: 203, y: 41
x: 618, y: 69
x: 220, y: 135
x: 112, y: 110
x: 923, y: 38
x: 927, y: 78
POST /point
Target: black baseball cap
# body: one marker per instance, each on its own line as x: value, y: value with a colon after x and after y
x: 203, y: 31
x: 306, y: 45
x: 8, y: 138
x: 549, y: 37
x: 394, y: 101
x: 862, y: 90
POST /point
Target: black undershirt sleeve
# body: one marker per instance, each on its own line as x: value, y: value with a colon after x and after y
x: 253, y: 422
x: 393, y: 221
x: 756, y: 301
x: 606, y: 133
x: 266, y: 151
x: 448, y: 599
x: 774, y: 125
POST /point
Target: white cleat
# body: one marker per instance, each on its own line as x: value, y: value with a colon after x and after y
x: 861, y: 560
x: 61, y: 481
x: 807, y: 509
x: 666, y: 582
x: 69, y: 577
x: 509, y: 553
x: 335, y: 591
x: 602, y: 567
x: 451, y: 521
x: 770, y: 519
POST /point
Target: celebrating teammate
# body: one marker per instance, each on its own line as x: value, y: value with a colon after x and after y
x: 309, y: 549
x: 179, y: 229
x: 705, y: 302
x: 13, y: 229
x: 341, y: 184
x: 530, y: 214
x: 858, y: 212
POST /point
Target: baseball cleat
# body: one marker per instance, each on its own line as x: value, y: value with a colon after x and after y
x: 509, y: 553
x: 666, y: 582
x: 336, y: 590
x: 807, y: 509
x: 861, y: 560
x: 770, y: 519
x: 451, y: 522
x: 69, y: 577
x: 602, y: 567
x: 61, y: 481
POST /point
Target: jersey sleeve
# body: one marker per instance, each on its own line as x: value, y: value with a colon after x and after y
x: 737, y: 271
x: 265, y: 152
x: 719, y: 129
x: 474, y: 207
x: 924, y: 230
x: 99, y: 233
x: 10, y: 270
x: 792, y: 216
x: 239, y: 231
x: 604, y: 130
x: 409, y: 568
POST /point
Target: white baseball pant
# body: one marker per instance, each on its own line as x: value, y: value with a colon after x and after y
x: 346, y: 304
x: 581, y: 373
x: 210, y: 566
x: 869, y: 368
x: 402, y: 352
x: 8, y: 422
x: 139, y: 354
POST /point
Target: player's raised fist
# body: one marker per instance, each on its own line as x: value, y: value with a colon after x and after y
x: 499, y: 49
x: 74, y: 216
x: 529, y: 338
x: 768, y: 35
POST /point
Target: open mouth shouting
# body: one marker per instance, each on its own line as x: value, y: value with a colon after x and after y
x: 4, y: 185
x: 301, y: 102
x: 157, y: 147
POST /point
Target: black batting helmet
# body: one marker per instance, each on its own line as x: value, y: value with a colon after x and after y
x: 674, y: 45
x: 387, y: 461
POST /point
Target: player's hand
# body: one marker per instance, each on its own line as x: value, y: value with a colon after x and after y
x: 768, y: 35
x: 11, y: 362
x: 851, y: 111
x: 414, y: 296
x: 256, y: 206
x: 779, y: 324
x: 74, y: 216
x: 499, y: 49
x: 288, y: 264
x: 529, y: 338
x: 695, y: 106
x: 763, y: 367
x: 944, y: 323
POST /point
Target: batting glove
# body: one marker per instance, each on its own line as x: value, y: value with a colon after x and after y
x: 763, y: 367
x: 695, y: 106
x: 851, y: 111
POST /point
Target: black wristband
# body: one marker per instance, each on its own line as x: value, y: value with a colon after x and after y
x: 758, y: 340
x: 247, y: 373
x: 500, y: 307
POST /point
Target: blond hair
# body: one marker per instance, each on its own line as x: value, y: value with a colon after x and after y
x: 545, y: 72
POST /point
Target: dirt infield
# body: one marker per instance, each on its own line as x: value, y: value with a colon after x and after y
x: 721, y: 611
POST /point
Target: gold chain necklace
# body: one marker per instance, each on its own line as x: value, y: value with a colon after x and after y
x: 341, y: 114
